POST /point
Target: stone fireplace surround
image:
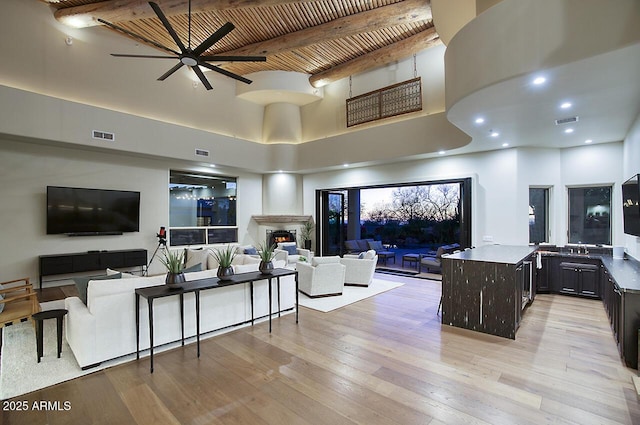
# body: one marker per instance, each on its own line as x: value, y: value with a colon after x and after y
x: 284, y: 228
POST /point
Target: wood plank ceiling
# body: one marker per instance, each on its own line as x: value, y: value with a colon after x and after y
x: 328, y: 40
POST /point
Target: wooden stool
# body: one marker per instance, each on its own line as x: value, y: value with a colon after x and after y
x: 40, y: 318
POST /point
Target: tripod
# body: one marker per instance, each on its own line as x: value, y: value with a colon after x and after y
x: 161, y: 242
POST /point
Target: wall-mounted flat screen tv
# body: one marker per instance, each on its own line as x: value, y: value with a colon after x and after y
x: 631, y: 206
x: 79, y: 212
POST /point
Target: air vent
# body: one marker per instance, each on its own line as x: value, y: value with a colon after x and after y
x: 103, y: 135
x: 567, y: 120
x: 202, y: 152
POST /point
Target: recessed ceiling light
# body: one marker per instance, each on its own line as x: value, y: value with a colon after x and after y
x: 212, y: 165
x: 279, y: 171
x: 494, y: 134
x: 569, y: 130
x: 566, y: 105
x: 588, y: 141
x: 441, y: 152
x: 504, y: 145
x: 479, y: 120
x: 345, y: 165
x: 539, y: 80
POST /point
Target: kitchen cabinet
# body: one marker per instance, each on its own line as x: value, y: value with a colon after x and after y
x: 543, y: 275
x: 580, y: 279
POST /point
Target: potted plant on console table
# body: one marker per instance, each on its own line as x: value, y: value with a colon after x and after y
x: 224, y: 257
x: 266, y: 254
x: 307, y: 230
x: 174, y: 262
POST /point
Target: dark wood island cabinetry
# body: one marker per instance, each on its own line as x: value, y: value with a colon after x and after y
x: 485, y: 289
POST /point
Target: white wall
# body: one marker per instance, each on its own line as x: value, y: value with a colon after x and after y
x: 26, y: 169
x: 501, y: 185
x: 631, y: 166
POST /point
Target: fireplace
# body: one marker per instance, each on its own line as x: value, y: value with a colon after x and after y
x: 278, y: 236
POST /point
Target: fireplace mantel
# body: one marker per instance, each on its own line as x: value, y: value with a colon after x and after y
x: 281, y: 218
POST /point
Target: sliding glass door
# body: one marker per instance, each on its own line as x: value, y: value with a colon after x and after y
x: 330, y: 210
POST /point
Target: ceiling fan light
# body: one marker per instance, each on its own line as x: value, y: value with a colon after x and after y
x: 188, y: 61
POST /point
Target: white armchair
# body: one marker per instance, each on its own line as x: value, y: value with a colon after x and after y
x: 323, y: 277
x: 291, y: 251
x: 359, y: 268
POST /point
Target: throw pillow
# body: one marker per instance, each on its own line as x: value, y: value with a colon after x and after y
x: 369, y: 255
x: 291, y: 249
x: 125, y: 275
x: 363, y: 244
x: 194, y: 268
x: 83, y: 282
x: 361, y: 256
x: 251, y: 251
x: 195, y: 256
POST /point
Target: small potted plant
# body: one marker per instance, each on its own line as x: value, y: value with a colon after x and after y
x: 307, y: 230
x: 174, y: 262
x: 224, y: 257
x: 266, y: 254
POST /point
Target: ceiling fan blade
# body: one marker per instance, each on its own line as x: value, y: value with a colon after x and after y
x: 221, y: 58
x: 171, y: 71
x: 139, y: 37
x: 167, y: 25
x: 225, y: 72
x: 121, y: 55
x: 200, y: 75
x: 213, y: 38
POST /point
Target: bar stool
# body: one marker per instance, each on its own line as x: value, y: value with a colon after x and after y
x: 40, y: 317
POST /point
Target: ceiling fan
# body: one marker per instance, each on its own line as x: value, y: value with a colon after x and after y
x: 193, y: 58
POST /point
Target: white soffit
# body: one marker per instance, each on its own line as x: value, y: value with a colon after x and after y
x: 279, y: 87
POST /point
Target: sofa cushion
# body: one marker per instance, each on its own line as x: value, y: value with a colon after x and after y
x: 351, y: 246
x: 363, y: 244
x: 325, y: 260
x: 245, y: 268
x: 375, y: 245
x: 83, y: 282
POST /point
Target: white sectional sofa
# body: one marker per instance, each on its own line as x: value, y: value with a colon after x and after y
x: 105, y: 328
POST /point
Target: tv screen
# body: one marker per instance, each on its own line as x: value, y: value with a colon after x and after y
x: 78, y: 211
x: 631, y: 206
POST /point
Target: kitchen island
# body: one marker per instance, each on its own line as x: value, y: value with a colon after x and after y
x: 485, y: 289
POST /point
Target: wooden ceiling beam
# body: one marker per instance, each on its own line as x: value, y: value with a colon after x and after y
x: 127, y: 10
x: 408, y: 11
x: 377, y: 58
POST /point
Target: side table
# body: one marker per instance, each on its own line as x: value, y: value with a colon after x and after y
x: 40, y: 317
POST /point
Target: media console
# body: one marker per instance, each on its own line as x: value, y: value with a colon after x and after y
x: 59, y: 264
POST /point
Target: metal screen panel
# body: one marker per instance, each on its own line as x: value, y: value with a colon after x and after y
x: 390, y: 101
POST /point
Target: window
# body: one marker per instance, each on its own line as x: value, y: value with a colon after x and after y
x: 538, y: 215
x: 590, y: 215
x: 202, y: 209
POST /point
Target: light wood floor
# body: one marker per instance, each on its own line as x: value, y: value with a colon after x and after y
x: 384, y: 360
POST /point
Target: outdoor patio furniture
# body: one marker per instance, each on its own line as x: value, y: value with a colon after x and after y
x: 380, y: 251
x: 412, y: 259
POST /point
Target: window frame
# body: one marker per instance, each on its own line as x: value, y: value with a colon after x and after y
x: 611, y: 187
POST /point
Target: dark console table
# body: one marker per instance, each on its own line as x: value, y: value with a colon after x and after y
x: 195, y: 286
x: 51, y: 265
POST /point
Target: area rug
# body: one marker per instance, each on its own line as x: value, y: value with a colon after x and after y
x: 20, y: 372
x: 350, y: 295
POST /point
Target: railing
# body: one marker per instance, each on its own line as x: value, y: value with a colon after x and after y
x: 386, y: 102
